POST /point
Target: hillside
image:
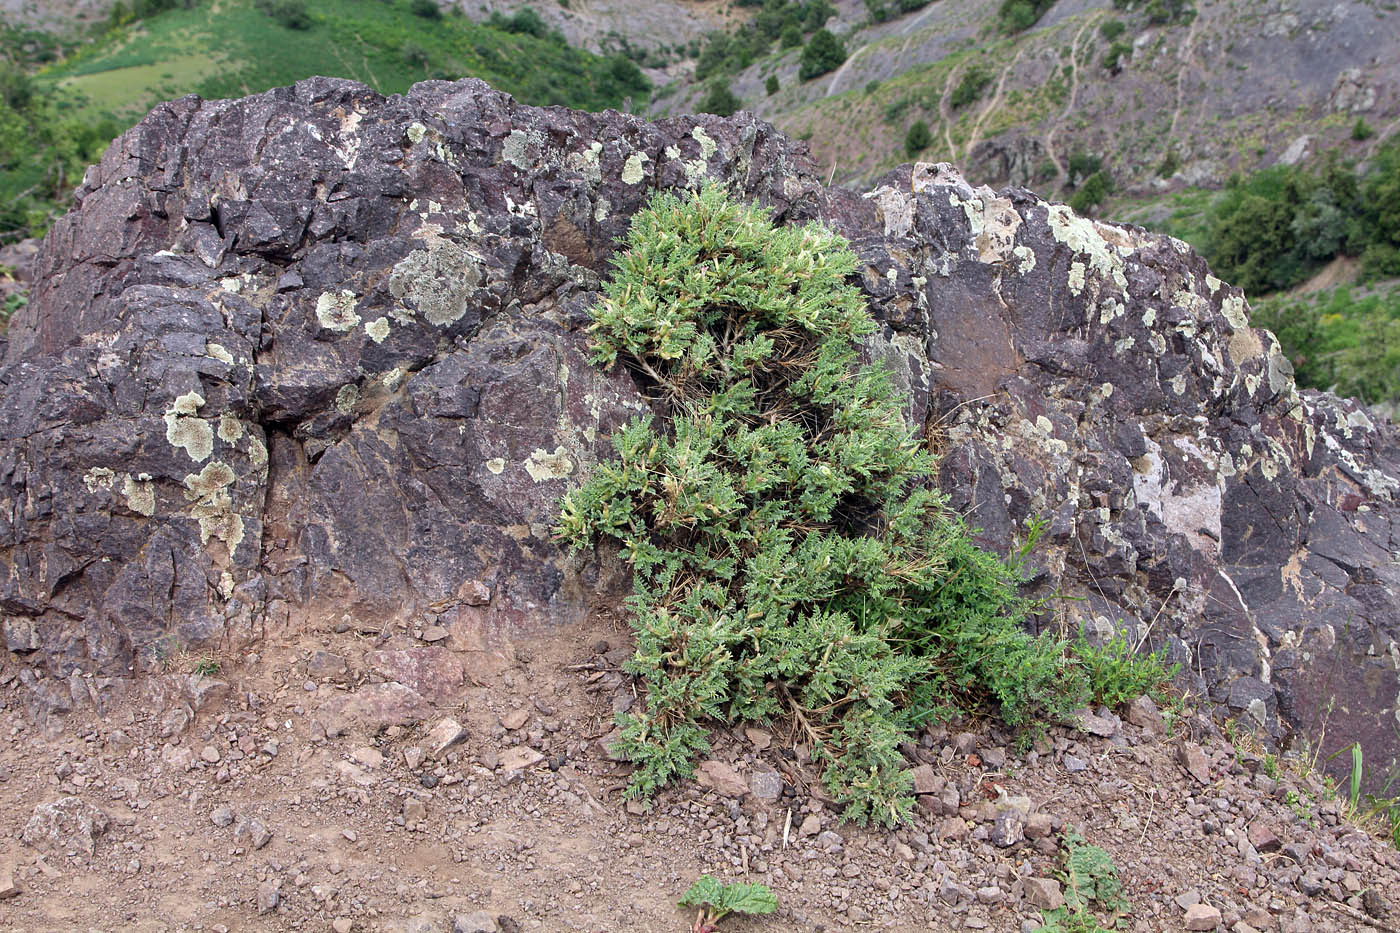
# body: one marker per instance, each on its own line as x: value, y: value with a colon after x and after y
x: 1234, y: 86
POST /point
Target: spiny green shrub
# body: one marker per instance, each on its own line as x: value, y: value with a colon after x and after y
x: 790, y: 553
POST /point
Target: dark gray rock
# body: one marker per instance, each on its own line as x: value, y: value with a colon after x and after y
x: 318, y: 353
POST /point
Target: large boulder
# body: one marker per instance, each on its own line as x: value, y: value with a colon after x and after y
x: 318, y: 353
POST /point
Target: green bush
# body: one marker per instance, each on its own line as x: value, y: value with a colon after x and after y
x: 771, y: 85
x: 882, y: 10
x: 1018, y: 15
x: 1113, y: 57
x: 1339, y: 340
x: 790, y: 553
x: 1112, y: 28
x: 290, y: 13
x: 1092, y: 192
x: 974, y: 82
x: 1361, y: 130
x: 824, y: 52
x: 428, y: 9
x: 720, y: 100
x: 917, y: 139
x: 791, y: 36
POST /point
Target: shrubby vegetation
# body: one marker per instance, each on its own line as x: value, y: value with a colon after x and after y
x: 727, y: 53
x: 917, y: 139
x: 824, y: 52
x: 970, y: 87
x: 882, y: 10
x: 720, y: 100
x: 791, y: 556
x: 1343, y: 340
x: 1274, y: 229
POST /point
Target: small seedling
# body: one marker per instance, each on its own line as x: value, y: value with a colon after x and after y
x: 717, y: 900
x: 206, y: 666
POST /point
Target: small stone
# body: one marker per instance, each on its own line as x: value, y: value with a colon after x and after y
x: 434, y: 633
x: 1097, y: 725
x: 926, y: 780
x: 210, y: 754
x: 369, y: 757
x: 722, y: 777
x: 414, y: 810
x: 1075, y: 764
x: 830, y: 841
x: 766, y: 785
x: 476, y: 922
x: 522, y: 756
x: 251, y: 833
x: 1044, y: 893
x: 413, y: 757
x: 1008, y: 828
x: 447, y: 733
x: 1193, y: 760
x: 759, y: 738
x: 222, y: 816
x: 1202, y: 917
x: 991, y: 894
x: 342, y: 925
x: 857, y: 915
x: 8, y: 887
x: 1039, y: 825
x: 66, y: 824
x: 1144, y: 714
x: 1374, y: 904
x: 516, y: 718
x: 811, y: 825
x: 1263, y: 838
x: 325, y: 664
x: 954, y: 827
x: 1188, y: 899
x: 268, y: 897
x: 965, y: 742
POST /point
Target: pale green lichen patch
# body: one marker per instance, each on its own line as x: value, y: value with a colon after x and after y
x: 140, y: 494
x: 438, y: 280
x: 230, y: 428
x: 1025, y: 259
x: 98, y: 478
x: 184, y: 428
x: 378, y: 329
x: 346, y: 398
x: 336, y: 311
x: 633, y: 170
x: 1083, y: 237
x: 586, y: 162
x: 520, y: 150
x: 543, y: 465
x: 217, y: 352
x: 416, y: 132
x: 707, y: 145
x: 1076, y: 277
x: 212, y: 506
x: 496, y: 465
x: 1232, y: 309
x: 257, y: 452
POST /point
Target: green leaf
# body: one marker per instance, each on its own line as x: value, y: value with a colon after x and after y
x: 744, y: 898
x: 707, y: 891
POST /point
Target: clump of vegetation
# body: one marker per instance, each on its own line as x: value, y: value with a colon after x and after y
x: 1111, y: 29
x: 917, y: 139
x: 1361, y: 130
x: 791, y: 555
x: 717, y: 900
x: 1113, y: 56
x: 1019, y: 15
x: 1161, y: 12
x: 290, y: 13
x: 974, y: 81
x: 1092, y: 192
x: 1090, y: 878
x: 882, y: 10
x: 1274, y: 229
x: 771, y: 85
x: 787, y: 21
x: 823, y: 52
x: 720, y: 100
x: 1341, y: 340
x: 428, y: 9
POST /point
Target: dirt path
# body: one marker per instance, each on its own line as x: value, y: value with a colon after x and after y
x: 1187, y: 58
x: 975, y: 136
x: 1073, y: 91
x: 836, y: 78
x: 945, y: 113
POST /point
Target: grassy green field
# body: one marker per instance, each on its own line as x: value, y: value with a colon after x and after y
x: 58, y: 116
x: 230, y: 48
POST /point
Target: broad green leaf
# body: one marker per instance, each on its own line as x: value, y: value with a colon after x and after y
x: 707, y: 891
x: 747, y: 899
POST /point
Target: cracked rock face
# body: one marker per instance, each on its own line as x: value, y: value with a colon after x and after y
x: 318, y: 353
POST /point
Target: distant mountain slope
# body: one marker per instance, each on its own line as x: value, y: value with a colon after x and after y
x: 1238, y: 86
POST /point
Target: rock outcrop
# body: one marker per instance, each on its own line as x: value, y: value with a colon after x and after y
x: 317, y: 354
